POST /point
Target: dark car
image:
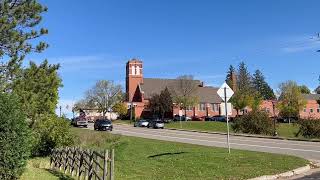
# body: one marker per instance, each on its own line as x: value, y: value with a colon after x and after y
x: 209, y: 118
x: 219, y: 118
x: 197, y: 118
x: 156, y: 124
x: 103, y: 124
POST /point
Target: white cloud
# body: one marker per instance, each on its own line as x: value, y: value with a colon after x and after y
x: 301, y: 43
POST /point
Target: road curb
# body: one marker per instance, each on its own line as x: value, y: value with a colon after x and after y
x: 245, y: 135
x: 287, y: 174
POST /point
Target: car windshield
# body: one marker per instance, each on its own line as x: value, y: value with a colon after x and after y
x: 143, y: 121
x: 105, y: 121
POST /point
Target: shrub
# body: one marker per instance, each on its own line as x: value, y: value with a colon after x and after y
x: 309, y: 128
x: 51, y: 132
x: 14, y: 138
x: 255, y: 122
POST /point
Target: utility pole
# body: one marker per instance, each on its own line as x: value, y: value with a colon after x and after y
x: 227, y: 118
x: 60, y: 110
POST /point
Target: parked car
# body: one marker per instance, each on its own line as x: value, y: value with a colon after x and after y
x: 209, y: 118
x: 141, y: 123
x: 103, y: 124
x: 197, y: 118
x: 183, y: 118
x: 219, y: 118
x: 156, y: 124
x: 79, y: 122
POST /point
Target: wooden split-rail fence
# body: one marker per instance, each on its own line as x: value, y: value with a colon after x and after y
x: 84, y: 164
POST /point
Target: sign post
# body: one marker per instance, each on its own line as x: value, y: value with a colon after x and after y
x: 225, y: 92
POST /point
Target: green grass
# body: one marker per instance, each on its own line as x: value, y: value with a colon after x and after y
x: 139, y: 158
x: 285, y: 130
x: 38, y: 169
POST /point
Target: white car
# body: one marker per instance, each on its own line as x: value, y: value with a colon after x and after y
x: 141, y: 123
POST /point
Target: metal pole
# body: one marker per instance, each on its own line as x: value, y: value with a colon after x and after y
x: 227, y: 118
x: 180, y: 117
x: 60, y: 110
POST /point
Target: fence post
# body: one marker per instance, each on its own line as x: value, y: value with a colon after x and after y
x: 105, y: 164
x: 66, y: 160
x: 96, y: 170
x: 80, y: 163
x: 51, y: 158
x: 112, y: 166
x: 90, y: 165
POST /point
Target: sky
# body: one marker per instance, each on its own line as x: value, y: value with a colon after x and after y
x: 92, y: 40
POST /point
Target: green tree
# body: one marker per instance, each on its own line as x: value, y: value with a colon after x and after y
x: 103, y: 96
x: 304, y: 89
x: 120, y: 108
x: 261, y: 86
x: 18, y: 30
x: 165, y: 102
x: 229, y: 79
x: 291, y: 100
x: 37, y: 89
x: 184, y: 93
x: 14, y: 138
x: 244, y: 79
x: 245, y: 94
x: 161, y: 103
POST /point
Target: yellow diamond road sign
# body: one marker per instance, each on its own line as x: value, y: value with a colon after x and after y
x: 225, y: 91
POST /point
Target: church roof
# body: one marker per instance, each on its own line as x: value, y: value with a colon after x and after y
x: 152, y: 86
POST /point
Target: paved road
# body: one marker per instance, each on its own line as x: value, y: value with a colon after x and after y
x: 307, y: 150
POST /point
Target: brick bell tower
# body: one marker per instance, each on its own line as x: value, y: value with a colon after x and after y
x: 134, y: 76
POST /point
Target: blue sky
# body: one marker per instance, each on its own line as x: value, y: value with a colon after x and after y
x: 92, y: 40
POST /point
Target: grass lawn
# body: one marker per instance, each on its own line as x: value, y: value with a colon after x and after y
x: 139, y: 158
x: 38, y: 169
x: 284, y: 129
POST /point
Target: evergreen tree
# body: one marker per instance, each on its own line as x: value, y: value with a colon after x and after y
x: 231, y: 72
x: 261, y: 86
x: 244, y: 79
x: 37, y: 89
x: 166, y: 103
x: 18, y: 27
x: 161, y: 103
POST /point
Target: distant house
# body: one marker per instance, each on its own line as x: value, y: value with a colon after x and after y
x: 312, y: 107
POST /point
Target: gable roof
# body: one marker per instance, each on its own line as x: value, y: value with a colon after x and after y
x: 311, y: 96
x: 152, y: 86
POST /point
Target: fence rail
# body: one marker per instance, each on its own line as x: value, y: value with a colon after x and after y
x: 86, y: 164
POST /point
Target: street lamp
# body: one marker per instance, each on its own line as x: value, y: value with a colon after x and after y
x: 275, y: 133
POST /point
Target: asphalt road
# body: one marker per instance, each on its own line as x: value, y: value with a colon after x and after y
x: 307, y: 150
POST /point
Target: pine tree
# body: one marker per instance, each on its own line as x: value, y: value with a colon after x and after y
x: 166, y: 103
x: 18, y: 27
x: 231, y: 72
x: 244, y: 80
x: 261, y: 86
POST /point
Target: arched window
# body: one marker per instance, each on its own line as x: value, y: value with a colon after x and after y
x: 133, y: 70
